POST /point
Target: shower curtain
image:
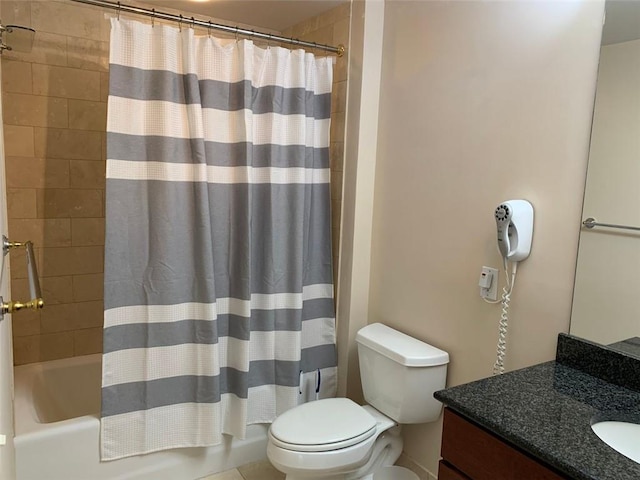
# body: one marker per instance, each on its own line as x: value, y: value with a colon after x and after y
x: 219, y: 307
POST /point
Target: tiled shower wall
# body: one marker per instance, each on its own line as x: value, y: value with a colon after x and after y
x: 54, y: 108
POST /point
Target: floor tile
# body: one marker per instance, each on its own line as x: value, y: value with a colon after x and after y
x: 228, y: 475
x: 260, y: 471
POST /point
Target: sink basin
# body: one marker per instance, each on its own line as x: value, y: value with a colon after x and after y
x: 624, y: 437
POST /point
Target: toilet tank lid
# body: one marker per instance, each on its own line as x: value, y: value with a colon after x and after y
x: 399, y: 347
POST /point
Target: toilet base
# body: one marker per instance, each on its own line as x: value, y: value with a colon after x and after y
x: 386, y: 450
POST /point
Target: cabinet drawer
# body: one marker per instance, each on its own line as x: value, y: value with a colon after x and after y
x: 483, y: 456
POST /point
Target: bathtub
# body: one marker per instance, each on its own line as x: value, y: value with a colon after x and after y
x: 57, y: 432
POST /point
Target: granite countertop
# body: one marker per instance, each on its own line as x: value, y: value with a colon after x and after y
x: 547, y: 410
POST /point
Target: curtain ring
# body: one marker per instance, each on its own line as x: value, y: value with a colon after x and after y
x: 119, y: 8
x: 269, y: 42
x: 180, y: 23
x: 153, y: 17
x: 193, y: 23
x: 209, y: 29
x: 236, y: 34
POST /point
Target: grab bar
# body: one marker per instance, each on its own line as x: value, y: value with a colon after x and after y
x: 591, y: 222
x: 36, y: 301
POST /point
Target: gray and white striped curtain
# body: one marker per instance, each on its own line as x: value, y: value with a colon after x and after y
x: 218, y: 275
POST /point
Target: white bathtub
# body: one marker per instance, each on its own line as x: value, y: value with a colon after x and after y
x: 57, y: 432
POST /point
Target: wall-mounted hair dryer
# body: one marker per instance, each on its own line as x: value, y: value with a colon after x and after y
x: 514, y: 219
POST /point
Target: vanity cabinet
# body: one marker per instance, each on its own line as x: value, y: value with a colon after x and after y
x: 471, y: 453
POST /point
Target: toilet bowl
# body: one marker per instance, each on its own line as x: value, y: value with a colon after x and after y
x: 337, y: 439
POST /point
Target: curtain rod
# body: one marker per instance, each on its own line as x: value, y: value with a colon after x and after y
x: 120, y: 7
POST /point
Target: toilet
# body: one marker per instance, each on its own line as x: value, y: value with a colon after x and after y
x: 337, y: 439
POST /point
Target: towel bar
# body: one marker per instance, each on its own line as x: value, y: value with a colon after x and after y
x: 36, y: 301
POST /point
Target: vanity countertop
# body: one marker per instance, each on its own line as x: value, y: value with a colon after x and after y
x: 547, y: 410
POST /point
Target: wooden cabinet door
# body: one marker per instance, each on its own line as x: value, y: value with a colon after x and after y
x: 482, y: 456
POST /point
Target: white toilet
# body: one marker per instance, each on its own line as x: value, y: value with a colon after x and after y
x: 337, y: 439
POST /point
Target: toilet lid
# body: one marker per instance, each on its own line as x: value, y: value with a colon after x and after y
x: 323, y: 425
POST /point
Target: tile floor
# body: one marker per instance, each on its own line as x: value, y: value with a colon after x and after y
x: 252, y: 471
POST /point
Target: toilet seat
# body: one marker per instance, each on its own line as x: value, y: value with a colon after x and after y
x: 322, y: 426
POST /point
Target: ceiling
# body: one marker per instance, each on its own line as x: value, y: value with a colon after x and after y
x: 269, y: 14
x: 622, y: 21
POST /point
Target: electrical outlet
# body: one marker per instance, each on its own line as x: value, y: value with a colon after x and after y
x: 489, y: 283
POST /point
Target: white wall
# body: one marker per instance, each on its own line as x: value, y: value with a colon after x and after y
x: 480, y: 102
x: 606, y: 304
x: 7, y: 451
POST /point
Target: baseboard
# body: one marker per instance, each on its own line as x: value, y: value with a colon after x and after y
x: 407, y: 462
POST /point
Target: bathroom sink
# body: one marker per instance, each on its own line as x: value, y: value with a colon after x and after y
x: 624, y: 437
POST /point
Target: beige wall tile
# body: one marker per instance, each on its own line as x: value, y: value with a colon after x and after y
x: 71, y: 144
x: 71, y: 316
x: 105, y: 26
x: 18, y: 262
x: 323, y: 35
x: 56, y: 345
x: 26, y: 349
x: 104, y: 87
x: 339, y: 97
x: 87, y: 174
x: 16, y: 12
x: 20, y: 288
x: 56, y: 290
x: 336, y: 211
x: 62, y: 203
x: 18, y: 141
x: 65, y: 18
x: 88, y: 287
x: 337, y: 127
x: 50, y: 232
x: 65, y: 82
x: 303, y: 29
x: 24, y: 322
x: 90, y: 314
x: 59, y: 261
x: 336, y: 186
x: 336, y: 156
x: 16, y: 77
x: 340, y: 68
x: 34, y: 110
x: 21, y: 202
x: 87, y: 54
x: 87, y: 115
x: 334, y: 15
x: 341, y: 32
x: 87, y: 231
x: 48, y: 48
x: 87, y: 341
x: 335, y: 231
x: 24, y: 172
x: 59, y: 318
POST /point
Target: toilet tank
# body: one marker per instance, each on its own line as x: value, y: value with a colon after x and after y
x: 400, y: 373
